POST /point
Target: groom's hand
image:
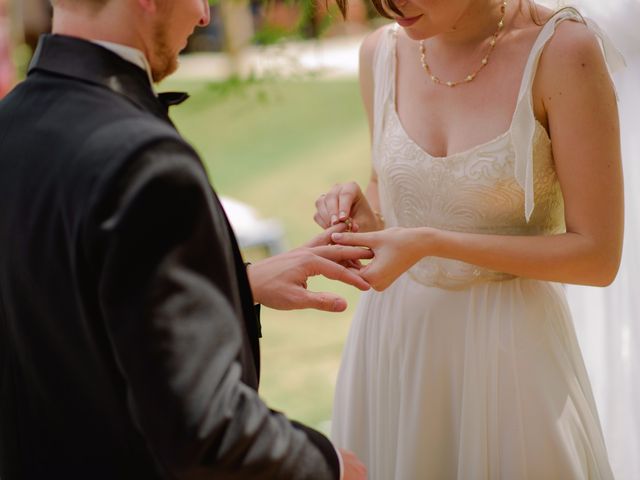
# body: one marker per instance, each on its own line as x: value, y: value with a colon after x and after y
x: 280, y: 281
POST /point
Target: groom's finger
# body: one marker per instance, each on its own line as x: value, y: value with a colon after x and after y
x: 354, y: 239
x: 327, y: 302
x: 334, y: 271
x: 352, y: 265
x: 324, y: 238
x: 340, y: 253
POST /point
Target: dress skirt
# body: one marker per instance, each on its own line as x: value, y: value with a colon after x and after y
x: 485, y: 382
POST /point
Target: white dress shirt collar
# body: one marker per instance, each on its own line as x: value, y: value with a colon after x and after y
x: 130, y: 54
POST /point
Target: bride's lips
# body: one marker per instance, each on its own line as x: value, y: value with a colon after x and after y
x: 408, y: 21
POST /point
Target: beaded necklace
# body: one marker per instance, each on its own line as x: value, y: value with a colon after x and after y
x: 483, y: 62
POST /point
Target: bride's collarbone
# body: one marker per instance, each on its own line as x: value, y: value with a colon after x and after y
x: 447, y: 120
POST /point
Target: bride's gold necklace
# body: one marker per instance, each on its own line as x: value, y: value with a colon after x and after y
x: 483, y: 62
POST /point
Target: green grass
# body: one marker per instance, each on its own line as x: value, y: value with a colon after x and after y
x: 277, y: 146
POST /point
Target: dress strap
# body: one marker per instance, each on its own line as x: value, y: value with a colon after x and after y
x: 384, y: 78
x: 524, y: 122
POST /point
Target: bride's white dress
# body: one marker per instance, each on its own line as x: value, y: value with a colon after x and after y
x: 458, y: 372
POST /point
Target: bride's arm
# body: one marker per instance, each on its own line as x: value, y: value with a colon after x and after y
x: 576, y: 93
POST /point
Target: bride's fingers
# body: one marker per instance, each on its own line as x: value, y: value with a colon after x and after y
x: 331, y: 202
x: 372, y: 273
x: 322, y: 216
x: 346, y: 200
x: 322, y: 220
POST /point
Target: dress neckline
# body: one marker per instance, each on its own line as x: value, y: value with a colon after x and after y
x: 479, y: 146
x: 469, y: 150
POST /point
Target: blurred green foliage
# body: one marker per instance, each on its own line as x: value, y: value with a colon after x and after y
x: 271, y: 35
x: 21, y: 57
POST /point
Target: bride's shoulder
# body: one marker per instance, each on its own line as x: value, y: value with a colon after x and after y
x: 573, y: 46
x: 569, y: 33
x: 572, y: 74
x: 371, y: 41
x: 569, y: 43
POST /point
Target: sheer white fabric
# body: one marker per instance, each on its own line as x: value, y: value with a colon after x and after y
x: 522, y: 128
x: 457, y: 371
x: 608, y: 320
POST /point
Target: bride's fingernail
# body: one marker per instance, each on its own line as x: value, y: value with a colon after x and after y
x: 336, y: 236
x: 343, y: 215
x: 334, y: 219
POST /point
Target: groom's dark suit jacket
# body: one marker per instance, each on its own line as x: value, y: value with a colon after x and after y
x: 128, y: 336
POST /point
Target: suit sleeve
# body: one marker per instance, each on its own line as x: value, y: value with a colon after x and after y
x: 168, y: 307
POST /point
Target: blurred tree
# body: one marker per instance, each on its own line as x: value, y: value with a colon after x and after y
x: 238, y: 30
x: 36, y: 19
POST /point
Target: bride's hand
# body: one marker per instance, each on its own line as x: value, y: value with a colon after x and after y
x: 346, y: 202
x: 395, y: 250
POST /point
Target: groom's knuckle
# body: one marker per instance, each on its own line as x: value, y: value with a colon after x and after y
x: 326, y: 302
x: 308, y: 259
x: 323, y: 302
x: 345, y: 274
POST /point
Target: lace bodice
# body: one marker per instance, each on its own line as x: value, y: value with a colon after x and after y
x: 489, y: 188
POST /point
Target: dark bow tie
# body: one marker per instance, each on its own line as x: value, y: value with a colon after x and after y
x: 169, y: 99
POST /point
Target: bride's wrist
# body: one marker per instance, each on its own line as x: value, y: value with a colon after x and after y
x: 429, y: 242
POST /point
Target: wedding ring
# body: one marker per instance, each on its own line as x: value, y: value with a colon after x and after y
x: 348, y: 222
